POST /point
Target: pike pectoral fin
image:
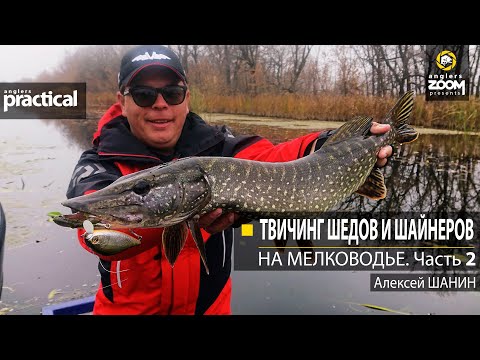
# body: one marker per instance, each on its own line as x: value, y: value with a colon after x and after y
x: 173, y: 240
x: 374, y: 187
x: 198, y: 238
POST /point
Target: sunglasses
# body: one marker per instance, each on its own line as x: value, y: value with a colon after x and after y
x: 145, y: 96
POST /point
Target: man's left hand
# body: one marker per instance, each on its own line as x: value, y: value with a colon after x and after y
x: 386, y: 151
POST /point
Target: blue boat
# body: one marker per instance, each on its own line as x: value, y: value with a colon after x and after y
x: 73, y: 307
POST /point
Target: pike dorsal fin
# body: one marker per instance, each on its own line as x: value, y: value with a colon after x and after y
x: 400, y: 115
x: 358, y: 126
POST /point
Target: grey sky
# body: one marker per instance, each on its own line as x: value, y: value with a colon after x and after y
x: 26, y: 61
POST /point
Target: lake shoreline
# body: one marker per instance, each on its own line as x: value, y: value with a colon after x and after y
x: 285, y: 123
x: 217, y: 118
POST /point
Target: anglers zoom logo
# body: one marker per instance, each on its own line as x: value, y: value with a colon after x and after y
x: 447, y: 72
x: 154, y: 56
x: 446, y: 60
x: 43, y: 100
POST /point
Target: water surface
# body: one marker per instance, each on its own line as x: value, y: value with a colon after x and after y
x: 44, y: 263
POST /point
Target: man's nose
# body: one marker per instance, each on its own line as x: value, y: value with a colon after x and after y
x: 160, y: 102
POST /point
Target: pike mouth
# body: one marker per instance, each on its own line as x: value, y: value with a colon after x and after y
x: 118, y: 215
x: 124, y: 219
x: 108, y: 219
x: 80, y: 216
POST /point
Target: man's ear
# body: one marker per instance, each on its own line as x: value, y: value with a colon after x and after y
x: 187, y: 99
x: 121, y: 101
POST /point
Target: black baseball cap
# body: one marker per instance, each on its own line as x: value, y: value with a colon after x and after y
x: 140, y: 57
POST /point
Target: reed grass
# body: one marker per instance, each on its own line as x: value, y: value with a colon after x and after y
x: 452, y: 115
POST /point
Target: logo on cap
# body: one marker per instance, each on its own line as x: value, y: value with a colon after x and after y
x: 154, y: 56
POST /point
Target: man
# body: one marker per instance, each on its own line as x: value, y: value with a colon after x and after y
x: 151, y: 124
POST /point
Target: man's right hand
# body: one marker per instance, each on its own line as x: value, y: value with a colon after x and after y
x: 216, y: 220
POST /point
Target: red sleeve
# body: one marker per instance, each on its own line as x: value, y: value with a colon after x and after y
x: 114, y: 111
x: 264, y: 150
x: 150, y: 238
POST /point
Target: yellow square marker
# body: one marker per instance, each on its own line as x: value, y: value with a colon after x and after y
x: 247, y: 229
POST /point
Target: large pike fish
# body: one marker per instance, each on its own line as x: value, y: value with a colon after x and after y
x: 175, y: 194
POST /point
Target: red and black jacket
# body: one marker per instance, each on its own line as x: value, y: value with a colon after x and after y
x: 139, y: 280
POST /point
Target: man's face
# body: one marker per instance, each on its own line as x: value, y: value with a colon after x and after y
x: 161, y: 124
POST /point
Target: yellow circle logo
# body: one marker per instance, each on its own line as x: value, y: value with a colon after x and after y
x: 446, y: 60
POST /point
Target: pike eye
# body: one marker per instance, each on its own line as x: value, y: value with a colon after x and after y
x: 141, y: 188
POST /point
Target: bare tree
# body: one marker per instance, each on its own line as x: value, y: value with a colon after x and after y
x: 474, y: 71
x: 312, y: 77
x: 274, y: 60
x: 195, y: 53
x: 214, y: 66
x: 284, y: 66
x: 299, y: 56
x: 378, y: 66
x: 347, y: 82
x: 96, y: 65
x: 249, y: 55
x: 365, y: 60
x: 377, y: 70
x: 183, y: 53
x: 418, y: 60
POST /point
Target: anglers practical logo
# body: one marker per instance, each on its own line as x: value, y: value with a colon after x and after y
x: 447, y: 73
x: 154, y: 56
x: 43, y: 100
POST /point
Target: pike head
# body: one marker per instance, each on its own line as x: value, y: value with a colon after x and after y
x: 156, y: 197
